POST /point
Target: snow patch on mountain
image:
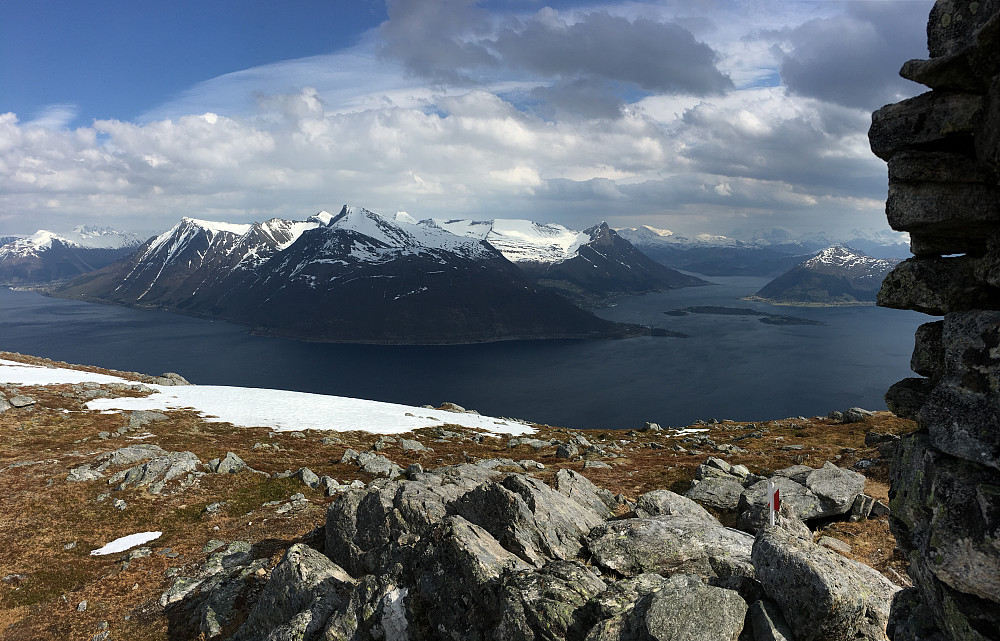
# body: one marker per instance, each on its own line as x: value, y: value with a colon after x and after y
x: 520, y: 240
x: 400, y: 235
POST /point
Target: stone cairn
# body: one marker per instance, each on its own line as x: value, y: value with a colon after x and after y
x: 943, y: 152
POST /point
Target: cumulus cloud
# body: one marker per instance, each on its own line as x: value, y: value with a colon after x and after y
x: 596, y: 56
x: 853, y: 59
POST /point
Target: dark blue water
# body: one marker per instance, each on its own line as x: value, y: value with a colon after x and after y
x: 731, y: 366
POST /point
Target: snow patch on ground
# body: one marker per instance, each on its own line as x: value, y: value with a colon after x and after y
x: 126, y: 542
x: 280, y: 410
x: 24, y: 374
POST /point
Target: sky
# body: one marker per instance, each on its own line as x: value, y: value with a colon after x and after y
x: 698, y: 116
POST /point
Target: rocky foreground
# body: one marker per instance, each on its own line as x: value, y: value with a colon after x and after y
x: 441, y: 533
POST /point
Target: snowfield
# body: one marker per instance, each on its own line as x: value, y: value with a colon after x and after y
x: 279, y: 410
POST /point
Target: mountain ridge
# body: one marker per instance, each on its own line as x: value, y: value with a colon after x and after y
x: 354, y: 277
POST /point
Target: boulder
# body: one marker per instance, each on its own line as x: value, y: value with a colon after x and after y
x: 529, y: 518
x: 823, y: 596
x: 18, y: 401
x: 803, y: 503
x: 129, y: 455
x: 83, y: 473
x: 669, y: 545
x: 308, y: 477
x: 660, y: 502
x: 681, y: 607
x: 685, y: 608
x: 158, y: 471
x: 551, y: 603
x: 836, y: 488
x: 720, y: 492
x: 580, y: 489
x: 370, y: 463
x: 305, y: 588
x: 230, y: 464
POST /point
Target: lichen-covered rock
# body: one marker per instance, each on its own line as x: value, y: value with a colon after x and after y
x: 946, y: 517
x: 660, y: 502
x: 671, y: 545
x: 305, y: 588
x: 720, y: 492
x: 682, y: 607
x: 579, y: 488
x: 823, y: 596
x: 529, y: 518
x: 837, y: 488
x: 548, y: 604
x: 158, y: 471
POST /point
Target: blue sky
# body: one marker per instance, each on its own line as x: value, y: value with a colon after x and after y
x: 697, y: 116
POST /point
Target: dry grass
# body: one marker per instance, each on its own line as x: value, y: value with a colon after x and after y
x: 43, y: 513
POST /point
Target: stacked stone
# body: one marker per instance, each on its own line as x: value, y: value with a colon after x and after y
x: 943, y: 152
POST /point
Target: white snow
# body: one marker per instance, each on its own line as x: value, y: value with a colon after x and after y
x: 211, y: 225
x: 280, y: 410
x: 283, y: 410
x: 126, y: 542
x: 520, y: 240
x: 23, y: 374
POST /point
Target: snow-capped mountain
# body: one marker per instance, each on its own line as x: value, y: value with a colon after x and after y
x: 589, y: 266
x: 47, y: 256
x: 354, y: 277
x: 836, y: 275
x: 764, y: 252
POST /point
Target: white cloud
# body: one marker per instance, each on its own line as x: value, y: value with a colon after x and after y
x: 546, y: 133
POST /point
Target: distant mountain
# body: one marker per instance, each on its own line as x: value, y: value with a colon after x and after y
x: 768, y: 252
x: 590, y: 266
x: 46, y: 257
x: 837, y: 275
x: 354, y: 277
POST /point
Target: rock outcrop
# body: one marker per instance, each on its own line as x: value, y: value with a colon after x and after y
x: 943, y: 152
x: 467, y: 552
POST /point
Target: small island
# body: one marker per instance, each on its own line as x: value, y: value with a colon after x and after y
x: 765, y: 317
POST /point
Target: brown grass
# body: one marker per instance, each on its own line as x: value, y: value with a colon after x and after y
x: 42, y: 512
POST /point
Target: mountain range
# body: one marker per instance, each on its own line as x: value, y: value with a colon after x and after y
x: 363, y: 277
x: 46, y: 256
x: 767, y: 252
x: 837, y: 275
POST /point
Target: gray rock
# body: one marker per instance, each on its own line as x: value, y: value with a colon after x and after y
x: 410, y: 445
x: 803, y: 503
x: 753, y: 518
x: 138, y: 418
x: 721, y: 492
x: 374, y: 464
x: 158, y: 471
x: 822, y: 595
x: 580, y: 489
x: 660, y: 502
x: 567, y: 450
x: 685, y: 608
x: 856, y: 415
x: 529, y: 518
x: 836, y: 545
x: 551, y: 603
x: 4, y: 405
x: 670, y: 544
x: 836, y: 488
x: 129, y: 455
x: 20, y: 401
x: 768, y: 622
x: 303, y: 591
x: 230, y: 464
x: 596, y: 465
x: 83, y: 473
x: 308, y: 477
x: 535, y: 443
